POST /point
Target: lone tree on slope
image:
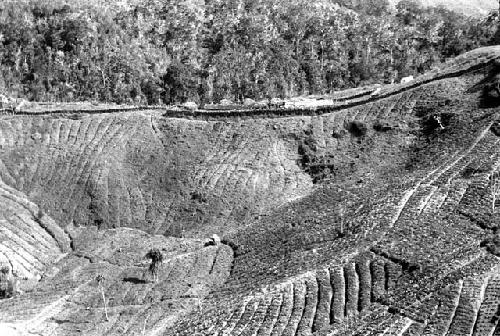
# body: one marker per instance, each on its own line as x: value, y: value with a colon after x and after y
x: 156, y: 260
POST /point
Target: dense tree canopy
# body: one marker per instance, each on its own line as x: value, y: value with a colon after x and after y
x: 165, y: 51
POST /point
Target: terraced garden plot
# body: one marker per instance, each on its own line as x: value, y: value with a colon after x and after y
x: 90, y: 165
x: 358, y: 218
x: 134, y: 304
x: 313, y: 302
x: 30, y: 241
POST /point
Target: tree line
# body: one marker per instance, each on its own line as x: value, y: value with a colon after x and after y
x: 167, y: 52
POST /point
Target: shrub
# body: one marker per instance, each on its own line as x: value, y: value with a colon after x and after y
x: 490, y: 96
x: 6, y: 283
x: 357, y: 128
x: 492, y: 245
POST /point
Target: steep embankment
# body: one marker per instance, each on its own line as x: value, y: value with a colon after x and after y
x: 364, y: 217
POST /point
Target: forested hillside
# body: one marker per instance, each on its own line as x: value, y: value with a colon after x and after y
x: 165, y: 52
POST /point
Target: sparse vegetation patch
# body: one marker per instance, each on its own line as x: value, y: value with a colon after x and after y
x: 357, y: 128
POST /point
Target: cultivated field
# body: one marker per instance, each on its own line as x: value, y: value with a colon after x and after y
x: 373, y: 214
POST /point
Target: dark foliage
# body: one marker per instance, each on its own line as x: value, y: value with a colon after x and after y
x: 157, y: 52
x: 6, y: 283
x: 490, y: 96
x: 318, y: 165
x: 198, y: 196
x: 209, y: 243
x: 492, y: 245
x: 357, y: 128
x: 495, y: 128
x: 134, y: 280
x: 155, y: 255
x: 473, y: 169
x: 100, y: 279
x: 489, y: 87
x: 156, y: 259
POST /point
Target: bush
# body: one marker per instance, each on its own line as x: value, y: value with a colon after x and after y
x: 492, y: 245
x: 490, y: 96
x: 6, y: 283
x: 357, y: 128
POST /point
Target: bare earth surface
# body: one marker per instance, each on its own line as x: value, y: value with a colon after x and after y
x: 467, y: 7
x: 353, y: 214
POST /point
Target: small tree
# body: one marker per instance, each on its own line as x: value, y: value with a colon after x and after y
x: 156, y: 260
x: 100, y: 282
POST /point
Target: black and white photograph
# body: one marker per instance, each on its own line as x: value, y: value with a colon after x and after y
x: 249, y: 168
